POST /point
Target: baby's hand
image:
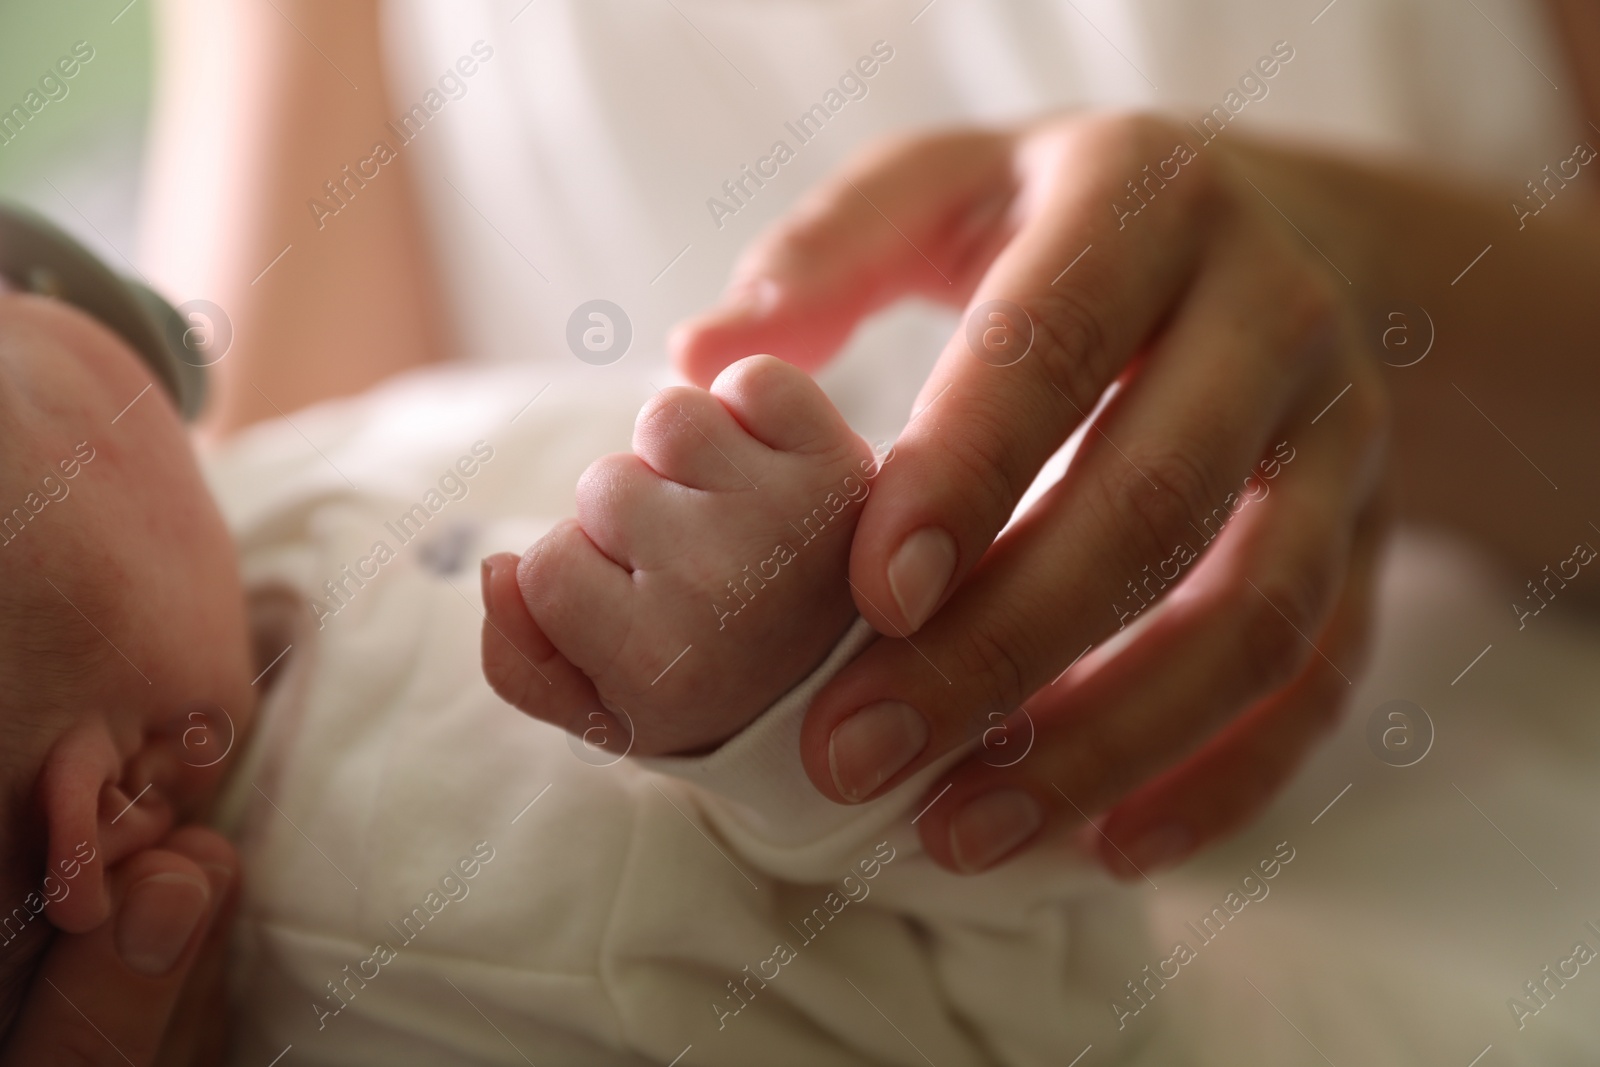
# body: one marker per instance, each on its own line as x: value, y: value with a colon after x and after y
x: 705, y: 575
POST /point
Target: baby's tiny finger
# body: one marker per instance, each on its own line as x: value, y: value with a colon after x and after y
x: 520, y: 663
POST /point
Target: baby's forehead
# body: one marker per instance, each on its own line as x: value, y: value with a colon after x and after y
x: 38, y: 257
x: 72, y: 494
x: 88, y: 444
x: 62, y: 375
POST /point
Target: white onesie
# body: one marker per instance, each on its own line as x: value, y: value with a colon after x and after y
x: 434, y: 877
x: 478, y: 892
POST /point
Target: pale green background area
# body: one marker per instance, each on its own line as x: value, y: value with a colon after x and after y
x: 79, y: 160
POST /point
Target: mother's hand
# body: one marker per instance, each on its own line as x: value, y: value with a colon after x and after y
x: 147, y: 986
x: 1248, y: 429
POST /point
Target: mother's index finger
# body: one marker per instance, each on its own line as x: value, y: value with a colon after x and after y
x: 1059, y: 315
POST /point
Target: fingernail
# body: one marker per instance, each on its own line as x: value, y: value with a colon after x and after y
x: 491, y: 564
x: 919, y: 572
x: 158, y: 918
x: 871, y: 746
x: 1161, y: 847
x: 991, y: 826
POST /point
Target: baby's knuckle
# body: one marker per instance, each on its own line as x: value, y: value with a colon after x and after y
x: 657, y: 411
x: 610, y: 481
x: 655, y: 430
x: 665, y: 420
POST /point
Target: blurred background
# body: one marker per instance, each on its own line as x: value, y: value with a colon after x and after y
x: 79, y: 159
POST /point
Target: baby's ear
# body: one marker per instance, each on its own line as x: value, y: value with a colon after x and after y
x: 90, y: 823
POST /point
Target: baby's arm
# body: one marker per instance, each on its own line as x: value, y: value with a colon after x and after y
x: 688, y: 617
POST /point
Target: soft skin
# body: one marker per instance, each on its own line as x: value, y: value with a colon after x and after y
x: 122, y: 631
x: 988, y: 209
x: 703, y: 577
x: 90, y: 1005
x: 1230, y: 329
x: 1228, y: 337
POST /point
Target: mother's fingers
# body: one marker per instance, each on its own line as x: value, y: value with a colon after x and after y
x: 1241, y: 627
x: 198, y: 1032
x: 1002, y: 400
x: 1229, y: 782
x: 912, y: 216
x: 106, y: 996
x: 1170, y: 462
x: 1043, y: 339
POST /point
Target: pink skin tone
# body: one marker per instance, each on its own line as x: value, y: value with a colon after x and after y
x: 1227, y: 335
x: 95, y: 999
x: 1003, y: 213
x: 138, y: 552
x: 583, y: 631
x: 1212, y: 703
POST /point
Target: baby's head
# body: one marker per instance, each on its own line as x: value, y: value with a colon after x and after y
x: 124, y: 649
